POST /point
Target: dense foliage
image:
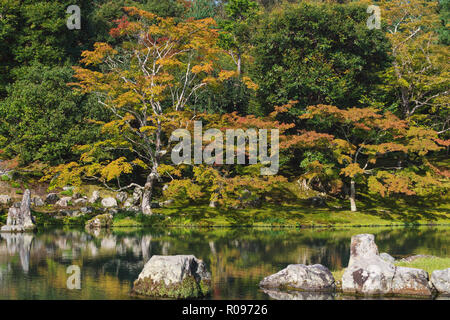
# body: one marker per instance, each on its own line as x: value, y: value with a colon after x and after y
x: 358, y: 109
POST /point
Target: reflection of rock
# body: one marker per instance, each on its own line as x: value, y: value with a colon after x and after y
x: 181, y: 276
x: 146, y: 247
x: 19, y: 243
x: 441, y: 281
x: 369, y: 274
x: 108, y: 243
x: 298, y: 295
x: 19, y: 216
x: 302, y: 277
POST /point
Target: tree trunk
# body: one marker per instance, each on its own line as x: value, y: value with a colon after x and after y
x: 352, y: 196
x: 146, y: 205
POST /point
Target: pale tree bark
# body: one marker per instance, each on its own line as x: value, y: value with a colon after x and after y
x: 352, y: 196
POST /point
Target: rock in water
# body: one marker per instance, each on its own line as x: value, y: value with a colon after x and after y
x: 441, y: 281
x: 301, y: 277
x: 19, y: 216
x: 368, y: 274
x: 180, y: 277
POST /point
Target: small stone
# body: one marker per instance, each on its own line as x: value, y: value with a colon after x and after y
x: 86, y: 210
x: 51, y: 198
x: 63, y: 202
x: 80, y: 202
x: 5, y: 199
x: 121, y: 197
x: 166, y: 203
x: 95, y: 197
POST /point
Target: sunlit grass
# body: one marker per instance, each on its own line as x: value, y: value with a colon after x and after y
x: 427, y: 264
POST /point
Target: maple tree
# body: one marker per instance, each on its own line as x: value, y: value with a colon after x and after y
x: 146, y: 84
x: 367, y: 142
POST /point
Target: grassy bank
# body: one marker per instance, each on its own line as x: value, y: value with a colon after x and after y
x: 266, y: 216
x: 372, y: 211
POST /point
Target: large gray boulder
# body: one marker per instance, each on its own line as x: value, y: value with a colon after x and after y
x: 301, y: 277
x: 369, y: 274
x: 19, y: 216
x: 180, y: 277
x: 411, y: 281
x: 5, y: 199
x: 109, y: 202
x: 441, y: 281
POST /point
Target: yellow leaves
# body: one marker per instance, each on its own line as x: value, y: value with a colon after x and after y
x: 384, y: 148
x: 140, y: 163
x: 352, y: 170
x: 147, y: 129
x: 249, y: 83
x: 169, y: 62
x: 168, y: 169
x: 225, y: 75
x: 422, y: 141
x: 133, y: 11
x: 101, y: 50
x: 126, y: 99
x: 204, y: 67
x: 115, y: 168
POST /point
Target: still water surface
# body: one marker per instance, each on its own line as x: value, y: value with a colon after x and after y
x: 33, y: 266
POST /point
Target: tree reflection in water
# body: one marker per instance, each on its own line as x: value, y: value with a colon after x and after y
x: 33, y: 266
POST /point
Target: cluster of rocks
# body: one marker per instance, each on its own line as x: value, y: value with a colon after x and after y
x: 19, y: 216
x: 368, y: 273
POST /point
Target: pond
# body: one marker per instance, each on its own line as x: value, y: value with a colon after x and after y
x: 34, y: 265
